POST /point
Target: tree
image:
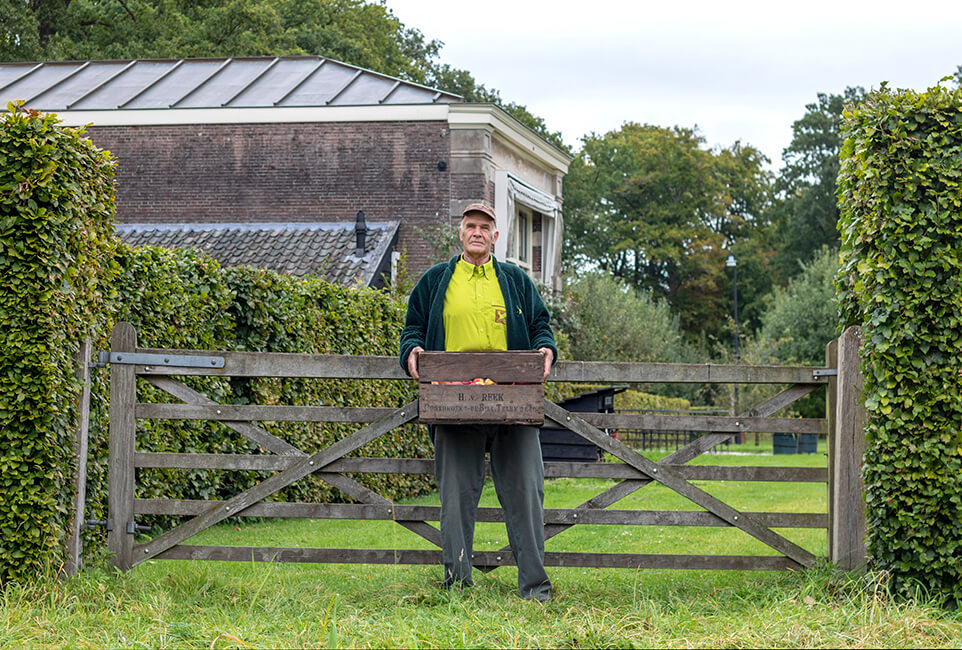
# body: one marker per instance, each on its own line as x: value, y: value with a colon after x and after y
x: 607, y: 320
x: 806, y: 209
x: 652, y: 206
x: 358, y: 32
x: 355, y: 31
x: 803, y: 317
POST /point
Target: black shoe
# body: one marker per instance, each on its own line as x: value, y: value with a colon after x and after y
x: 541, y: 597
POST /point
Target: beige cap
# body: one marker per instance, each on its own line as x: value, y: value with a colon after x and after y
x: 483, y: 208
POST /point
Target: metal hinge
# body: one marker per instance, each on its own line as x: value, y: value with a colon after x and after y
x: 160, y: 360
x: 90, y: 524
x: 133, y: 528
x: 825, y: 372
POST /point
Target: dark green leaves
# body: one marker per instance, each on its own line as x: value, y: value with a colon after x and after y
x: 901, y: 260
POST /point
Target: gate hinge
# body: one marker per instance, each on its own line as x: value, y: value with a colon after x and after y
x: 159, y: 360
x: 90, y: 524
x: 825, y: 372
x: 133, y: 528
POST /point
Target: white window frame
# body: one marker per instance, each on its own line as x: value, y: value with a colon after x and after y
x: 521, y: 246
x: 510, y: 193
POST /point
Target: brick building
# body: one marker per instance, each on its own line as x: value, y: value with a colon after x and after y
x: 290, y: 141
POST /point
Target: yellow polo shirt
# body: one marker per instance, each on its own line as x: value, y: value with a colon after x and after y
x: 474, y: 313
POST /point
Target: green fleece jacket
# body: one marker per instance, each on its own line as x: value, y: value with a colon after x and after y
x: 528, y: 319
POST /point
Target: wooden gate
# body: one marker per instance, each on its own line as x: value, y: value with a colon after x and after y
x: 157, y: 366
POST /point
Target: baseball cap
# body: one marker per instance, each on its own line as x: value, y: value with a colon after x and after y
x: 483, y: 208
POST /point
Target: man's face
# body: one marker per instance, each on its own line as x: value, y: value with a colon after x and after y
x: 477, y: 234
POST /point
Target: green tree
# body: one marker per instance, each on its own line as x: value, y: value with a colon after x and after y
x: 803, y: 317
x: 652, y: 206
x: 607, y: 320
x: 358, y: 32
x: 806, y: 209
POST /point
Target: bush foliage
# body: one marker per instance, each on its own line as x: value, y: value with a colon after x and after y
x: 607, y: 320
x: 901, y: 279
x: 56, y: 209
x: 66, y: 277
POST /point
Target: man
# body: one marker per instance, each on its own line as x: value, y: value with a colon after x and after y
x: 474, y: 302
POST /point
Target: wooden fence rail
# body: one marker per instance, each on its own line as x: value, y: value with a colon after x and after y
x: 289, y: 464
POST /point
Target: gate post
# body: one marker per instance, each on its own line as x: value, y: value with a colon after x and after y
x: 123, y: 426
x: 847, y: 506
x: 831, y: 403
x: 74, y: 539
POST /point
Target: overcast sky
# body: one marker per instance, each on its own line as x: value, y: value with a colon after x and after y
x: 738, y: 70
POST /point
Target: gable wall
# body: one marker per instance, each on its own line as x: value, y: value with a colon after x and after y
x: 284, y: 172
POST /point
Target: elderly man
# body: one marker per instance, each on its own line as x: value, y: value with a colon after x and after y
x: 474, y: 302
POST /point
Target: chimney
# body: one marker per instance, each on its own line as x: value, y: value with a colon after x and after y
x: 360, y: 233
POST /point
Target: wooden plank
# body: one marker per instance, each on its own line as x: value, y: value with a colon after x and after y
x: 418, y: 514
x: 74, y: 539
x: 446, y: 397
x: 502, y: 367
x: 673, y: 481
x: 282, y: 364
x: 445, y: 404
x: 495, y: 558
x: 123, y: 428
x: 691, y: 373
x: 335, y: 366
x: 250, y: 431
x: 262, y: 413
x: 848, y: 512
x: 831, y: 402
x: 304, y: 466
x: 704, y: 423
x: 360, y: 465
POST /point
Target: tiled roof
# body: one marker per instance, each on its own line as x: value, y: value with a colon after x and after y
x: 205, y: 83
x: 325, y: 250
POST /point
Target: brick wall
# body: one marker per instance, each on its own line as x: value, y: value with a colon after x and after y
x: 284, y: 173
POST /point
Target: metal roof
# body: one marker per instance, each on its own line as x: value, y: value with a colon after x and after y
x: 206, y: 83
x: 324, y: 250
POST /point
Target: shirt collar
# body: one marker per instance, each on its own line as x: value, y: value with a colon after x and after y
x: 486, y: 270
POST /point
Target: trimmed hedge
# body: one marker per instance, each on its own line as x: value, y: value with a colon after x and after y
x: 184, y: 299
x: 900, y: 189
x: 64, y: 277
x: 56, y: 227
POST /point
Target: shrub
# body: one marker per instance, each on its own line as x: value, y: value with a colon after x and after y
x: 803, y: 317
x: 56, y: 208
x: 606, y: 320
x: 901, y: 279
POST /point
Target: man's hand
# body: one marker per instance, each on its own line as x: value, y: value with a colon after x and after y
x: 548, y: 358
x: 413, y: 361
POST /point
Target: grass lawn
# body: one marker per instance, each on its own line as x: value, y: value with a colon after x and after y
x: 170, y: 604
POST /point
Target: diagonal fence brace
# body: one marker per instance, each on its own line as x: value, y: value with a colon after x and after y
x: 673, y: 481
x: 306, y: 465
x: 686, y: 454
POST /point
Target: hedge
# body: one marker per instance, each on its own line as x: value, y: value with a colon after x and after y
x: 184, y: 299
x: 56, y: 209
x: 64, y: 277
x: 900, y: 191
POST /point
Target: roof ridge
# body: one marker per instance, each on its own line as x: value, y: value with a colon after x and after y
x: 250, y: 227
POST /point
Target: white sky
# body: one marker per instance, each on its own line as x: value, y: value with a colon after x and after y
x: 738, y: 70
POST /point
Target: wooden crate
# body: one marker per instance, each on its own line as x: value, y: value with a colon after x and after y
x: 517, y: 397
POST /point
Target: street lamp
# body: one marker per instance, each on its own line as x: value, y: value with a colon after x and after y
x: 733, y: 265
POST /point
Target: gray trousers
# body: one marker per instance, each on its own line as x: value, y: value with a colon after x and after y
x: 518, y: 473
